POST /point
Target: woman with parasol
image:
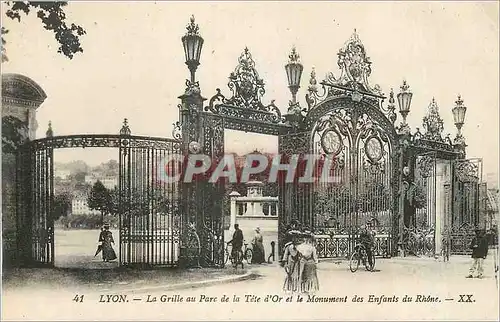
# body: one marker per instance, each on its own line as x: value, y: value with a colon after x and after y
x: 106, y: 240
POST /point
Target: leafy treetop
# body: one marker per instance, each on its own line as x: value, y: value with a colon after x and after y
x: 53, y: 18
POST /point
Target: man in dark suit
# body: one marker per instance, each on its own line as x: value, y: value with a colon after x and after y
x: 479, y: 246
x: 237, y: 242
x: 366, y: 239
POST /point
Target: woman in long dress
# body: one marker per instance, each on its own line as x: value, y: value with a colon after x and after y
x: 291, y: 263
x: 258, y: 248
x: 106, y: 239
x: 308, y: 264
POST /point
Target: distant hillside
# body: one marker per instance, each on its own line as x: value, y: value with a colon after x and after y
x: 108, y: 169
x: 75, y: 184
x: 74, y: 166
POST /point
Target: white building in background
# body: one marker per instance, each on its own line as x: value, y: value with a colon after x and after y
x: 108, y: 182
x: 62, y: 174
x: 252, y: 211
x: 79, y: 206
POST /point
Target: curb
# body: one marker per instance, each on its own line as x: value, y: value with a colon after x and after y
x: 455, y: 260
x: 188, y: 285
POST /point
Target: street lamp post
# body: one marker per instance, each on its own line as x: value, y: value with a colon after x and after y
x: 191, y: 123
x: 404, y: 102
x: 192, y: 43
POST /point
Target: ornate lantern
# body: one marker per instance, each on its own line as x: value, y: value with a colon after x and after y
x: 294, y: 72
x: 459, y: 113
x: 459, y: 118
x: 404, y: 101
x: 192, y: 43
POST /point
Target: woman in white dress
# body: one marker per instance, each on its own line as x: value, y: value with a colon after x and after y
x: 308, y: 259
x: 291, y: 263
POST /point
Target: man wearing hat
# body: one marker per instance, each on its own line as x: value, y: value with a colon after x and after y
x: 479, y: 246
x: 366, y: 239
x: 237, y: 243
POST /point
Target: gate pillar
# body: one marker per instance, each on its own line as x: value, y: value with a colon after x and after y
x: 442, y: 178
x: 403, y: 171
x: 189, y: 113
x: 294, y: 197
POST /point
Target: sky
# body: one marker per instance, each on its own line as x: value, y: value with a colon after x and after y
x: 133, y: 61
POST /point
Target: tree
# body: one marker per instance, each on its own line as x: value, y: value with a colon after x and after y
x: 53, y: 18
x: 62, y: 206
x: 14, y: 132
x: 99, y: 199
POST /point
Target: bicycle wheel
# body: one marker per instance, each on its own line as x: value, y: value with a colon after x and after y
x: 234, y: 258
x: 239, y: 259
x: 248, y: 255
x: 367, y: 264
x: 354, y: 262
x: 226, y: 258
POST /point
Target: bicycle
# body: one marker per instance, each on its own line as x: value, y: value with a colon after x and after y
x: 359, y: 255
x: 246, y: 254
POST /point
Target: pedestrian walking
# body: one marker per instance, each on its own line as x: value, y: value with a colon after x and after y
x: 291, y: 262
x: 308, y: 264
x: 237, y: 243
x: 479, y: 246
x: 107, y: 241
x: 258, y: 248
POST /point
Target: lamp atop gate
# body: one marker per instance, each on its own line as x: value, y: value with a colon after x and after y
x: 404, y: 102
x: 294, y: 72
x: 459, y: 118
x: 192, y: 42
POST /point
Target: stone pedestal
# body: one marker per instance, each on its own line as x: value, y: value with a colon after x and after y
x: 233, y: 211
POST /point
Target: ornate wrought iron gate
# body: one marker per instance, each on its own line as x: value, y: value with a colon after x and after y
x: 150, y: 218
x: 35, y: 193
x: 357, y: 153
x: 148, y: 206
x: 420, y: 202
x: 465, y: 185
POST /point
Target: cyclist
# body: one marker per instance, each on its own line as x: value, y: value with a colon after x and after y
x: 366, y: 239
x: 237, y: 243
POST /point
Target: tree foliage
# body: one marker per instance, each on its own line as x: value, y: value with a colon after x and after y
x: 99, y: 198
x: 53, y: 18
x: 62, y: 205
x: 14, y: 132
x: 86, y: 221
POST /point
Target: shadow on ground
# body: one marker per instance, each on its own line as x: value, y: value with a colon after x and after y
x: 96, y: 279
